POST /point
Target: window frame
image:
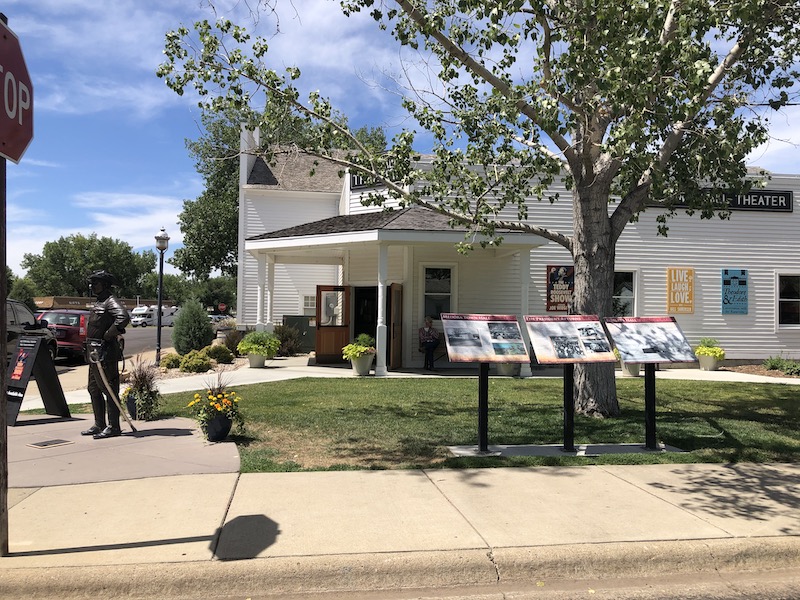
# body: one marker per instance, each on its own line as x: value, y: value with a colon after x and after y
x: 778, y: 324
x: 635, y: 288
x: 453, y: 268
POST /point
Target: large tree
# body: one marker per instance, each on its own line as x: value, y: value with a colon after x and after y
x: 632, y: 102
x: 62, y: 267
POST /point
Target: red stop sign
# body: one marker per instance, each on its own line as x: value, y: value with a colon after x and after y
x: 222, y: 306
x: 16, y: 98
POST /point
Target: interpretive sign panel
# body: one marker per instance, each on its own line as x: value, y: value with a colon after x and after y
x: 649, y: 339
x: 569, y: 339
x: 483, y: 338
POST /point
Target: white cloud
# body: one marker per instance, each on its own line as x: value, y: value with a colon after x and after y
x: 131, y: 218
x: 781, y: 153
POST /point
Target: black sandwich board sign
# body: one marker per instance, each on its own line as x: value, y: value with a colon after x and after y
x: 33, y: 358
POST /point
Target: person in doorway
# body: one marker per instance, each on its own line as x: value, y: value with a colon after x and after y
x: 428, y: 342
x: 107, y: 322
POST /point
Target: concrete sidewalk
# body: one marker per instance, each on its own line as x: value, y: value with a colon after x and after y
x: 164, y: 513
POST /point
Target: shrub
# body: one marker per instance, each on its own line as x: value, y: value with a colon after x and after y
x: 291, y: 340
x: 219, y: 353
x: 775, y: 363
x: 793, y: 368
x: 192, y: 330
x: 171, y: 360
x: 195, y: 361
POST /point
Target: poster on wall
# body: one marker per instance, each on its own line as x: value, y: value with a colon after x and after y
x: 484, y: 338
x: 649, y: 339
x: 569, y: 339
x: 680, y: 291
x: 560, y: 286
x: 734, y: 292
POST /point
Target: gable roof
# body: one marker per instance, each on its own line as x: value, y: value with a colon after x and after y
x: 413, y: 218
x: 291, y: 172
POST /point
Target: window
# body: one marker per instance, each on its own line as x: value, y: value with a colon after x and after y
x: 438, y: 291
x: 623, y: 299
x: 788, y: 300
x: 309, y: 306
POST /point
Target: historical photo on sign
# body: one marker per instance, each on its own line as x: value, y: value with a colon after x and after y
x: 483, y: 338
x: 569, y: 339
x: 649, y: 339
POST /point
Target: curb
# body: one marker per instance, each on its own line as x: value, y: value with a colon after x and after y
x: 394, y: 571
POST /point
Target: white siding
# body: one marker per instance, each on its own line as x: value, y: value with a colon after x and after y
x: 265, y: 211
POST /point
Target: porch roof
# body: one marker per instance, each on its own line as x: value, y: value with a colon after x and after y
x: 412, y: 225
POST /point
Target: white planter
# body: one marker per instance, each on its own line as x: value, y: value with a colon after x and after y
x: 708, y: 363
x: 362, y: 364
x: 257, y: 361
x: 508, y: 369
x: 630, y: 369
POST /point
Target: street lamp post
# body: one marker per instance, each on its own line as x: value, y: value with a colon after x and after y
x: 162, y: 243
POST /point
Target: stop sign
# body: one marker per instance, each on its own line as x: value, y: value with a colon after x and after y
x: 16, y: 110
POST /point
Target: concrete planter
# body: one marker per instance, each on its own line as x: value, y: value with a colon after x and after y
x: 257, y: 361
x: 362, y: 364
x: 708, y: 363
x: 630, y: 369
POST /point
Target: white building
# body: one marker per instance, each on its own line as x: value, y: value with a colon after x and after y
x: 308, y: 246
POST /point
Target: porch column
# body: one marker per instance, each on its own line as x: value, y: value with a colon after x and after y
x: 269, y: 325
x: 380, y: 334
x: 525, y: 294
x: 262, y: 282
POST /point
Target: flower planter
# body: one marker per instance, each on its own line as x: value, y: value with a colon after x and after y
x: 708, y: 363
x: 257, y: 361
x: 362, y: 364
x: 218, y: 428
x: 630, y: 369
x: 130, y: 404
x: 509, y: 369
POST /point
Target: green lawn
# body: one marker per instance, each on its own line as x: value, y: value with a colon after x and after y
x: 363, y: 423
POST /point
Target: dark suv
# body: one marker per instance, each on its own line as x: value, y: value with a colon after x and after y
x: 69, y: 325
x: 20, y: 321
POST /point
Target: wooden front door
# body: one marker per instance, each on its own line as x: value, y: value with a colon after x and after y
x: 333, y: 322
x: 396, y: 326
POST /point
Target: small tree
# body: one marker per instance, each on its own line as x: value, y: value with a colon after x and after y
x: 192, y: 329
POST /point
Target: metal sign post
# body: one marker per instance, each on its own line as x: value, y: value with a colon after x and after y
x: 16, y: 133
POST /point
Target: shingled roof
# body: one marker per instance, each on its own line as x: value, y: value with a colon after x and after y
x: 414, y: 218
x: 291, y: 172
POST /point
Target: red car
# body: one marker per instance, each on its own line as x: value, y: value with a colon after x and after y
x: 69, y: 327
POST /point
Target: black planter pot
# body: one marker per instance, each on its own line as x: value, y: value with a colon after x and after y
x: 130, y: 404
x: 218, y: 428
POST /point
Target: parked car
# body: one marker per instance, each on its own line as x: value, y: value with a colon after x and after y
x: 69, y: 326
x: 20, y: 321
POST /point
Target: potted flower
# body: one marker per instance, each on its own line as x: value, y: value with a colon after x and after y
x: 259, y: 346
x: 360, y: 353
x: 709, y: 354
x: 217, y: 410
x: 629, y: 369
x: 142, y: 397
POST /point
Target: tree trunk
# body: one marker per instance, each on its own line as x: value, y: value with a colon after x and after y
x: 593, y: 254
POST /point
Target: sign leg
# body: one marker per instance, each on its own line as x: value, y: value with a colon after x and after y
x: 650, y: 406
x: 483, y: 408
x: 569, y: 407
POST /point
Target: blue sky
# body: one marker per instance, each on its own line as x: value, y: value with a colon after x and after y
x: 108, y: 154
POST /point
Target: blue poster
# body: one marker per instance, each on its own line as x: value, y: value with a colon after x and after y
x: 734, y: 292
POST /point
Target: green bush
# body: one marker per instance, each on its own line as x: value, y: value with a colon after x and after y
x: 775, y: 363
x: 219, y: 353
x: 793, y: 368
x: 195, y: 361
x: 291, y: 340
x: 171, y: 360
x: 192, y: 329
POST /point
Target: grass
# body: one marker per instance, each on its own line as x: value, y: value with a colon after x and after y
x: 369, y: 423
